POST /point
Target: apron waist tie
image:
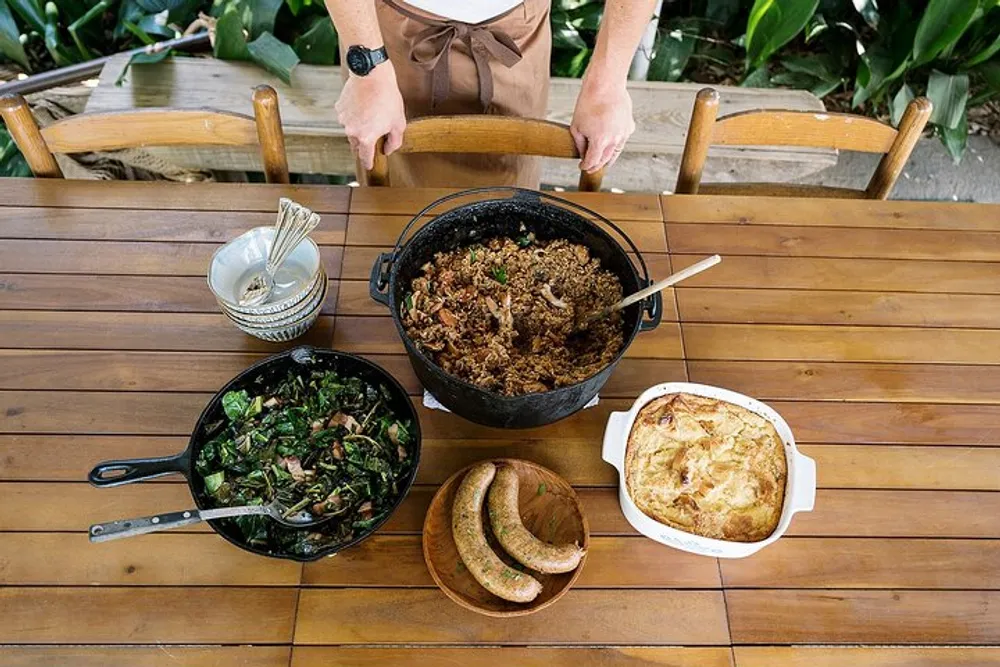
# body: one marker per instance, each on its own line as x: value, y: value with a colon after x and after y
x: 483, y: 42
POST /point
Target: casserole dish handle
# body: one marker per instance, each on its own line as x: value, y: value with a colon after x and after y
x: 804, y: 493
x: 613, y: 450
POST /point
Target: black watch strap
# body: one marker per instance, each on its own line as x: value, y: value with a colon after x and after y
x: 379, y: 56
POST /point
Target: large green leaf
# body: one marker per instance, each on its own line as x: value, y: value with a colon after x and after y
x: 759, y: 78
x: 587, y: 16
x: 564, y: 33
x: 772, y: 24
x: 949, y: 93
x: 141, y: 58
x: 988, y: 52
x: 274, y: 55
x: 318, y: 46
x: 990, y: 74
x: 153, y: 24
x: 955, y: 138
x: 942, y: 24
x: 671, y: 51
x: 868, y: 10
x: 12, y: 163
x: 899, y: 102
x: 230, y: 40
x: 263, y: 14
x: 30, y: 12
x: 10, y: 37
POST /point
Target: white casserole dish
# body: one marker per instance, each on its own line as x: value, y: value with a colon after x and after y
x: 800, y: 486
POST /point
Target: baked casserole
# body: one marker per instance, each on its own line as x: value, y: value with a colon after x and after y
x: 706, y: 467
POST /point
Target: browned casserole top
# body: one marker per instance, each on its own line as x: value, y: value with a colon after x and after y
x: 706, y: 467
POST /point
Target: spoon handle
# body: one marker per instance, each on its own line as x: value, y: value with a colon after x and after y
x: 114, y: 530
x: 672, y: 279
x: 293, y: 225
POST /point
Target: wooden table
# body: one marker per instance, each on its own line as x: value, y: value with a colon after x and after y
x: 873, y: 327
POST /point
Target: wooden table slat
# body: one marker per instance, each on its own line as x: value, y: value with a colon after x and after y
x: 146, y: 615
x: 379, y: 616
x: 748, y: 210
x: 147, y: 656
x: 858, y: 617
x: 631, y: 656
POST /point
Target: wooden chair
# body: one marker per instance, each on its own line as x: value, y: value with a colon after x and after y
x: 149, y: 127
x: 485, y: 134
x: 798, y: 128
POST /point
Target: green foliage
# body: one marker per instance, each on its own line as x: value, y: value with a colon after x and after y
x: 772, y: 24
x: 883, y: 52
x: 273, y: 55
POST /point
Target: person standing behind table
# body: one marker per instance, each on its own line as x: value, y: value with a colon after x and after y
x: 446, y: 57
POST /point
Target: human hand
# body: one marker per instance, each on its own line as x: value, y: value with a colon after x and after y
x: 371, y: 107
x: 602, y: 120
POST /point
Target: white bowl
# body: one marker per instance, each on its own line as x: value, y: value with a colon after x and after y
x: 316, y: 295
x: 237, y: 261
x: 800, y: 487
x: 284, y: 333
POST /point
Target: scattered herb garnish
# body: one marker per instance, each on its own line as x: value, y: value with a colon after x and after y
x: 541, y: 489
x: 472, y: 255
x: 320, y: 442
x: 525, y: 240
x: 500, y: 274
x: 408, y: 300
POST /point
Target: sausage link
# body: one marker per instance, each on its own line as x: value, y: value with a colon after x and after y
x: 505, y: 518
x: 467, y: 530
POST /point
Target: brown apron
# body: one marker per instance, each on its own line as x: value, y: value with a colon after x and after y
x: 443, y: 67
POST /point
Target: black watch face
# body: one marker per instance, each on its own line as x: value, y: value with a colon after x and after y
x: 358, y: 60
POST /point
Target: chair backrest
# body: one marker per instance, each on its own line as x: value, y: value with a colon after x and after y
x: 149, y: 127
x: 485, y: 134
x: 801, y: 128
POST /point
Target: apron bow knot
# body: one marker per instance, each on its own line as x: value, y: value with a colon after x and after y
x: 483, y: 42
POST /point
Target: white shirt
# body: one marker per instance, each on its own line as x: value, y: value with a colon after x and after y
x: 470, y: 11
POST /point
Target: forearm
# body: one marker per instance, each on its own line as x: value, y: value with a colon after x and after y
x: 622, y: 27
x: 356, y: 22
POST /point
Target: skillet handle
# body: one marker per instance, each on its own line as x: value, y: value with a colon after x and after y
x: 116, y: 473
x: 378, y: 281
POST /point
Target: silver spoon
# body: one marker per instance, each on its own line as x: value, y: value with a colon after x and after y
x: 113, y: 530
x: 293, y: 225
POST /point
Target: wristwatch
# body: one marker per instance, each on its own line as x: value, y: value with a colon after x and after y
x: 362, y: 61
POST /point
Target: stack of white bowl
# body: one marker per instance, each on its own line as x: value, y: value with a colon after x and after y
x: 300, y: 286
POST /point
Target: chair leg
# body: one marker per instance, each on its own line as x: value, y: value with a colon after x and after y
x: 23, y: 128
x: 911, y: 126
x: 699, y: 137
x: 271, y: 137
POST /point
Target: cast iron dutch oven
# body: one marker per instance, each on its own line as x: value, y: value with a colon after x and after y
x: 268, y: 371
x: 495, y: 215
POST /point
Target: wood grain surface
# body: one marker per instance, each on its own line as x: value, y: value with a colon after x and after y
x: 872, y: 327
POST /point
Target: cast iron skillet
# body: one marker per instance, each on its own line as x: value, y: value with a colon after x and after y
x: 268, y: 371
x: 549, y: 218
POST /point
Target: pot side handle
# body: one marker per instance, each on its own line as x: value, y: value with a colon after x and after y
x: 804, y: 493
x: 116, y: 473
x: 613, y: 450
x: 378, y: 281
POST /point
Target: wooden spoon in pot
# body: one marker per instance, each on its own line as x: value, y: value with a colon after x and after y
x: 673, y: 279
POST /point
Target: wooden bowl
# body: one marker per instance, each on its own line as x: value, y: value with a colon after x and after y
x: 549, y: 508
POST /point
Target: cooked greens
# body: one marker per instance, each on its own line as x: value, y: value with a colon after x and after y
x: 317, y: 442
